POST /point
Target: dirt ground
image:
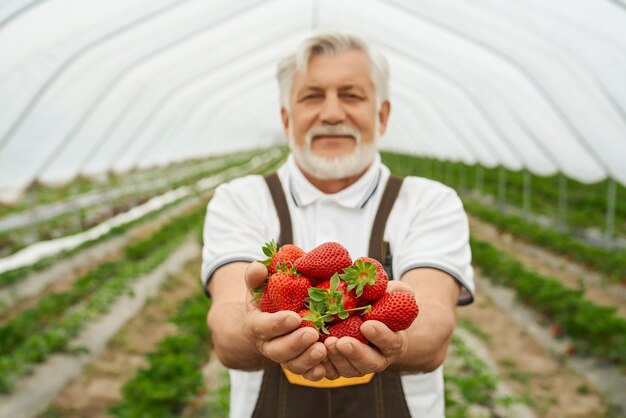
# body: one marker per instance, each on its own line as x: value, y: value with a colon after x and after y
x: 99, y: 385
x: 550, y: 265
x: 536, y: 375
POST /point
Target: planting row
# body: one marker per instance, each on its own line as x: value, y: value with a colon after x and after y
x: 87, y: 210
x: 118, y: 184
x: 585, y: 209
x: 173, y: 376
x: 594, y: 330
x: 33, y: 334
x: 15, y: 274
x: 611, y: 263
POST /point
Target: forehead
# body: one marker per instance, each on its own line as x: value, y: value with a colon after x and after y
x: 349, y: 67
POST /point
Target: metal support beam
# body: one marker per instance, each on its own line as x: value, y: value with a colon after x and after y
x: 501, y: 187
x: 611, y: 198
x: 561, y: 222
x: 526, y: 204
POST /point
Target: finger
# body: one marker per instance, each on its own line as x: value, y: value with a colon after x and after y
x: 256, y: 273
x: 362, y: 358
x: 341, y: 363
x: 399, y: 286
x: 316, y: 373
x: 287, y: 347
x: 390, y: 344
x: 331, y: 370
x: 266, y: 326
x: 311, y: 357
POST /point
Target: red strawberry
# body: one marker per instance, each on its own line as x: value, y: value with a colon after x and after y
x: 350, y: 327
x: 333, y: 298
x: 323, y: 261
x: 304, y: 313
x: 315, y: 320
x: 397, y: 310
x: 368, y: 279
x: 287, y: 254
x: 288, y: 290
x: 266, y: 304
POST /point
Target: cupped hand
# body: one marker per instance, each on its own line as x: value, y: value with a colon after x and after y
x: 278, y: 336
x: 349, y: 357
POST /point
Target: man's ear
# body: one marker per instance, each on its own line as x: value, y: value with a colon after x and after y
x: 284, y: 116
x: 383, y: 116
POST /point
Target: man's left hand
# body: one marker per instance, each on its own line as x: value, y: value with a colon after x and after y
x: 349, y: 357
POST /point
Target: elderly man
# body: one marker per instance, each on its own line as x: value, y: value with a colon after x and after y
x: 335, y: 105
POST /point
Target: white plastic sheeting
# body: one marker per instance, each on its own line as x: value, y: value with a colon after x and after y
x: 88, y: 86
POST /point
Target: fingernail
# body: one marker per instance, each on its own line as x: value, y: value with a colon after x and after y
x: 309, y: 338
x: 316, y: 355
x: 370, y: 330
x: 347, y: 348
x: 291, y: 321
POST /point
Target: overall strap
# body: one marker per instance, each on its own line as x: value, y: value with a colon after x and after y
x: 280, y: 203
x: 379, y: 248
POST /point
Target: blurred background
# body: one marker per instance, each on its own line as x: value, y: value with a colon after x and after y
x: 118, y: 119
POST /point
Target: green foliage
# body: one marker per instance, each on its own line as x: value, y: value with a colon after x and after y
x: 469, y: 383
x: 585, y: 209
x: 595, y: 330
x: 173, y: 376
x: 15, y: 275
x: 35, y: 333
x: 219, y: 404
x: 610, y: 262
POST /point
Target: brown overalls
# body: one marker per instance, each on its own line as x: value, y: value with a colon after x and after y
x: 383, y: 396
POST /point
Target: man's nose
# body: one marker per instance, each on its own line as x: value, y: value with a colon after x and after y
x: 332, y: 111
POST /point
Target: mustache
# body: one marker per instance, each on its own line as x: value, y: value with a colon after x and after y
x: 339, y: 129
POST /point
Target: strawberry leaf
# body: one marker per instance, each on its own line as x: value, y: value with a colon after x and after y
x: 317, y: 295
x: 360, y: 274
x: 269, y: 249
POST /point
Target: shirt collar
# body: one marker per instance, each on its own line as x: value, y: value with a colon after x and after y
x: 356, y: 195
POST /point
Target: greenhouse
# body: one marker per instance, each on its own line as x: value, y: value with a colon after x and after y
x: 124, y: 126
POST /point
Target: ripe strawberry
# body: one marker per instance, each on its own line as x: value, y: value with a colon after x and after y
x: 323, y: 261
x: 287, y: 290
x: 333, y: 298
x: 368, y: 279
x: 348, y: 328
x: 315, y: 320
x: 287, y: 254
x: 397, y: 310
x: 266, y: 304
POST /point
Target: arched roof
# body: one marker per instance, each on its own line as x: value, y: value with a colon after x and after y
x: 88, y: 86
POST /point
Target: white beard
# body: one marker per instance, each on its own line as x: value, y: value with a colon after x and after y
x: 324, y: 168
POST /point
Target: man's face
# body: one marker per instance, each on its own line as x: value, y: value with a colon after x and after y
x: 333, y: 107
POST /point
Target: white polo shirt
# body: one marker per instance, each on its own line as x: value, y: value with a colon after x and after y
x: 427, y: 227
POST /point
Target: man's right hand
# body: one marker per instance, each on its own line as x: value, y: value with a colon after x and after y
x: 277, y: 336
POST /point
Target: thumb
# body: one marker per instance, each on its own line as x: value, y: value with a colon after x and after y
x: 256, y: 273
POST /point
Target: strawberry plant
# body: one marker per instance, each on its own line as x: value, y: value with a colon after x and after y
x: 595, y: 330
x: 585, y: 209
x: 14, y: 275
x: 173, y: 375
x: 56, y: 319
x: 610, y: 262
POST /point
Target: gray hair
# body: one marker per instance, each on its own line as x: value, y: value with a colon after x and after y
x: 332, y: 43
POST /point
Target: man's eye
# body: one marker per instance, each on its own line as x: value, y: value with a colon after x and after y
x: 350, y: 96
x: 311, y: 97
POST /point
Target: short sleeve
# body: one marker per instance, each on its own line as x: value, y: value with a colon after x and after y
x: 434, y: 232
x: 237, y: 224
